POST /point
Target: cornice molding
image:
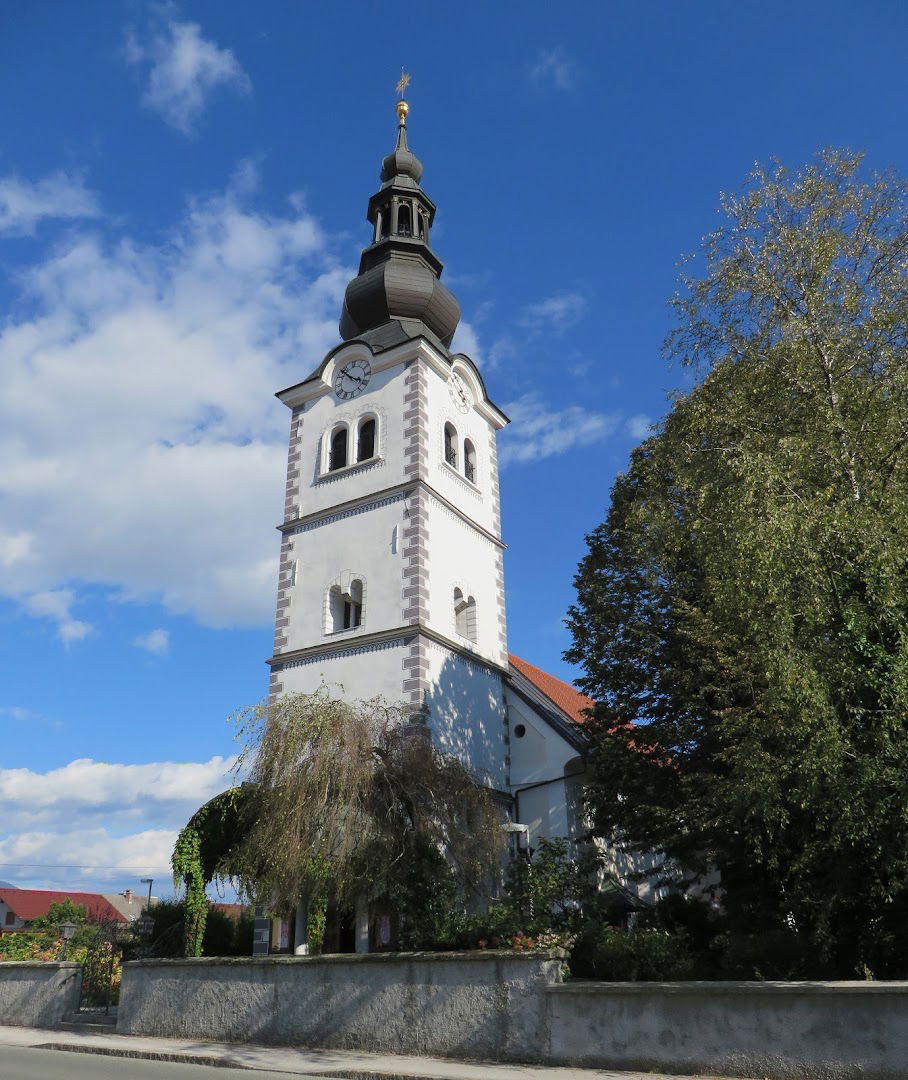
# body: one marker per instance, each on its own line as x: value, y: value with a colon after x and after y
x: 381, y: 498
x: 404, y: 634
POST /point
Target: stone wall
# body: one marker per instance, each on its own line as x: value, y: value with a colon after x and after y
x: 510, y: 1006
x: 462, y: 1005
x: 782, y: 1031
x: 35, y: 994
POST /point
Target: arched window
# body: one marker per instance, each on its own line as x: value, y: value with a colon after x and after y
x: 385, y: 214
x: 346, y: 606
x: 469, y: 461
x: 451, y: 445
x: 365, y: 439
x: 464, y: 615
x: 421, y: 224
x: 337, y: 456
x: 404, y: 224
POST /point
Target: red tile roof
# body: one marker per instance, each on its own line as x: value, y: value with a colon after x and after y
x: 561, y: 694
x: 232, y: 911
x: 31, y: 904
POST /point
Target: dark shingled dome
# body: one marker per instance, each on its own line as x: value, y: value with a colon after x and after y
x: 399, y: 274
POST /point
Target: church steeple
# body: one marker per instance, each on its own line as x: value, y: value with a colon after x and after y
x: 398, y: 287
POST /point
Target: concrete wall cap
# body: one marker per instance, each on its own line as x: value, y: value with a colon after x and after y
x: 840, y: 988
x: 44, y: 965
x: 497, y: 955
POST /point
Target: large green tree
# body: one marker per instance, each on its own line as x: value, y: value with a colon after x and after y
x: 745, y: 602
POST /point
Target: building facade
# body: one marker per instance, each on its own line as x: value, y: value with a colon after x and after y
x: 391, y: 576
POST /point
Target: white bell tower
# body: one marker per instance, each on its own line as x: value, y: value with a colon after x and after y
x: 391, y: 575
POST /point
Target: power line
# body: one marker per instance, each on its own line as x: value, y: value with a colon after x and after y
x: 77, y: 866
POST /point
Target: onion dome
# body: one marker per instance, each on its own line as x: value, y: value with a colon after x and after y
x: 399, y: 274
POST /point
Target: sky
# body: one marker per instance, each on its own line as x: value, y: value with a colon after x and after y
x: 183, y: 191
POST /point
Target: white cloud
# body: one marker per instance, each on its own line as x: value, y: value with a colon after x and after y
x: 555, y: 68
x: 638, y: 427
x: 90, y: 858
x: 15, y: 712
x: 539, y: 431
x: 23, y: 204
x: 155, y: 641
x: 137, y: 405
x: 56, y: 604
x: 183, y: 69
x: 110, y: 821
x: 555, y: 313
x: 97, y: 785
x: 466, y: 341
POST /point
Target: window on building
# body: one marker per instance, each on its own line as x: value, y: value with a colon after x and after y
x: 421, y: 224
x: 465, y: 615
x: 451, y: 445
x: 404, y: 223
x: 385, y: 216
x: 346, y: 606
x: 10, y: 918
x: 337, y: 457
x: 365, y: 440
x: 469, y: 461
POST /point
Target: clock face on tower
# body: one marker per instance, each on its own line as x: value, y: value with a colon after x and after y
x: 352, y: 379
x: 460, y: 395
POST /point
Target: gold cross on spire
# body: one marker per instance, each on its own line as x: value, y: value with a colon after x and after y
x: 402, y: 83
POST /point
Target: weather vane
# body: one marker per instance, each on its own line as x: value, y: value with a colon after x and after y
x: 402, y: 107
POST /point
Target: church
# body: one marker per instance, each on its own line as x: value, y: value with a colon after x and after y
x: 391, y: 577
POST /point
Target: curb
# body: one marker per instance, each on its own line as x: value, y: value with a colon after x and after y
x: 148, y: 1055
x: 226, y: 1063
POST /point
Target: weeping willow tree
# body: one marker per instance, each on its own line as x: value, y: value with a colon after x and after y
x: 348, y: 800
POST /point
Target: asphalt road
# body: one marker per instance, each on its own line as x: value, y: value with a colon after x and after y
x: 26, y: 1063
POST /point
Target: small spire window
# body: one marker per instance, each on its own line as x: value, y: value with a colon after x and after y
x: 365, y: 440
x: 451, y: 445
x: 346, y: 606
x: 337, y: 456
x: 385, y: 218
x: 404, y: 221
x: 469, y: 461
x: 465, y: 615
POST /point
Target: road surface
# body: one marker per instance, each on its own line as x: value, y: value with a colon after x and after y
x: 27, y: 1063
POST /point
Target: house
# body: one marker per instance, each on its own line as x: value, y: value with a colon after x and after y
x: 20, y: 907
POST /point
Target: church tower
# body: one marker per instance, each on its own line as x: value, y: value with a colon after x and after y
x: 391, y: 573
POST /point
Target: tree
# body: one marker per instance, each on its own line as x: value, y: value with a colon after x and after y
x: 348, y: 800
x: 745, y: 602
x: 65, y: 910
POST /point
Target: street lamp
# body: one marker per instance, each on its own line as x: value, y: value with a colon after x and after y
x: 67, y: 929
x: 147, y: 881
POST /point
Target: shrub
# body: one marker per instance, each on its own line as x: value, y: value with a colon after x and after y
x: 616, y: 955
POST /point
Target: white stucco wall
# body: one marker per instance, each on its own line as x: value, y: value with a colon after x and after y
x: 364, y: 542
x: 383, y: 397
x: 466, y: 712
x: 540, y: 754
x: 363, y: 671
x: 464, y: 558
x: 474, y: 499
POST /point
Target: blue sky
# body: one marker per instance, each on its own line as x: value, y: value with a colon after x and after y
x: 182, y: 199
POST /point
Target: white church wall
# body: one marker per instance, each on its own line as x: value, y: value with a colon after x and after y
x: 364, y: 542
x: 462, y: 558
x: 475, y: 499
x: 321, y: 489
x: 361, y: 671
x: 467, y: 713
x: 539, y: 754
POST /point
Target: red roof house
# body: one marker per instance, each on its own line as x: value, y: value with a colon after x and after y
x: 19, y: 907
